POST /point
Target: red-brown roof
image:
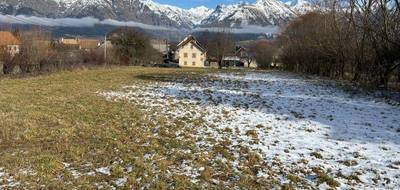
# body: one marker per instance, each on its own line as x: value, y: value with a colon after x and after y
x: 7, y: 38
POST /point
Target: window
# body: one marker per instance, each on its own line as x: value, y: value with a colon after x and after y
x: 185, y: 55
x: 185, y: 63
x: 193, y: 55
x: 191, y: 47
x: 201, y: 59
x: 193, y: 63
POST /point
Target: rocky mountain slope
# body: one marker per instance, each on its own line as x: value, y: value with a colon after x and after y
x: 302, y: 6
x: 144, y: 11
x: 261, y: 13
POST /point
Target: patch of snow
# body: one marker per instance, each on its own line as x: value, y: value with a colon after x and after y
x: 121, y: 181
x: 7, y: 181
x: 104, y: 170
x: 302, y: 123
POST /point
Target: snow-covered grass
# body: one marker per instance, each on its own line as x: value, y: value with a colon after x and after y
x: 151, y: 128
x: 288, y: 130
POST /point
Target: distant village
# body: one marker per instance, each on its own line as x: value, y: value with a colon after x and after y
x: 17, y: 49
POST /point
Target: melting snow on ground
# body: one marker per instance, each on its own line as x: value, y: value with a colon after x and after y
x: 302, y: 123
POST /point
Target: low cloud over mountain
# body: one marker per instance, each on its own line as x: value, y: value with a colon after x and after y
x: 147, y: 14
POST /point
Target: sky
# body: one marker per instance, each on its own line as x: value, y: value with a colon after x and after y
x: 196, y: 3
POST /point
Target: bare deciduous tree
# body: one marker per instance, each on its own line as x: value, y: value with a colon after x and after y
x: 264, y: 52
x: 133, y: 47
x: 358, y: 42
x: 218, y: 44
x: 35, y: 47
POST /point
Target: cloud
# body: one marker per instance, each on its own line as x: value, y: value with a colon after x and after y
x: 75, y: 22
x: 250, y: 29
x: 135, y: 24
x: 91, y: 22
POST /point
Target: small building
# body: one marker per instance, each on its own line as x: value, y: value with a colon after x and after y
x: 241, y: 58
x: 239, y: 62
x: 233, y: 61
x: 9, y: 43
x: 191, y: 53
x: 70, y: 43
x: 211, y: 62
x: 88, y: 44
x: 161, y: 46
x: 77, y: 43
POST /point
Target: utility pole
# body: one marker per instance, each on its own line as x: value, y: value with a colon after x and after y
x: 167, y: 46
x: 105, y: 49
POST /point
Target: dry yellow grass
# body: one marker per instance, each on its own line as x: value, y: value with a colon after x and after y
x: 47, y: 121
x: 56, y: 132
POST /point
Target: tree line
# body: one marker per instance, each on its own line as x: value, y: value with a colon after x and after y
x: 222, y: 43
x: 354, y: 40
x: 39, y: 52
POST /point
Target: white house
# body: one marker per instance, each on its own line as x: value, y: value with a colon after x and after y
x: 191, y: 53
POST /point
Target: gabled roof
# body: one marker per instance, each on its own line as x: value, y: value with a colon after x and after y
x: 231, y: 58
x: 193, y: 40
x: 7, y: 38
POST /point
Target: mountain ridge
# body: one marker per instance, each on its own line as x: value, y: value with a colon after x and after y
x: 260, y: 13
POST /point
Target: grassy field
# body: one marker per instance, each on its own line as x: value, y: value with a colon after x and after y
x: 51, y: 122
x: 55, y: 128
x: 150, y: 128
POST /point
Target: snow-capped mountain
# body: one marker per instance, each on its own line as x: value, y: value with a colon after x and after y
x: 46, y: 8
x: 302, y: 6
x: 261, y: 13
x: 181, y: 16
x: 144, y: 11
x: 198, y: 14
